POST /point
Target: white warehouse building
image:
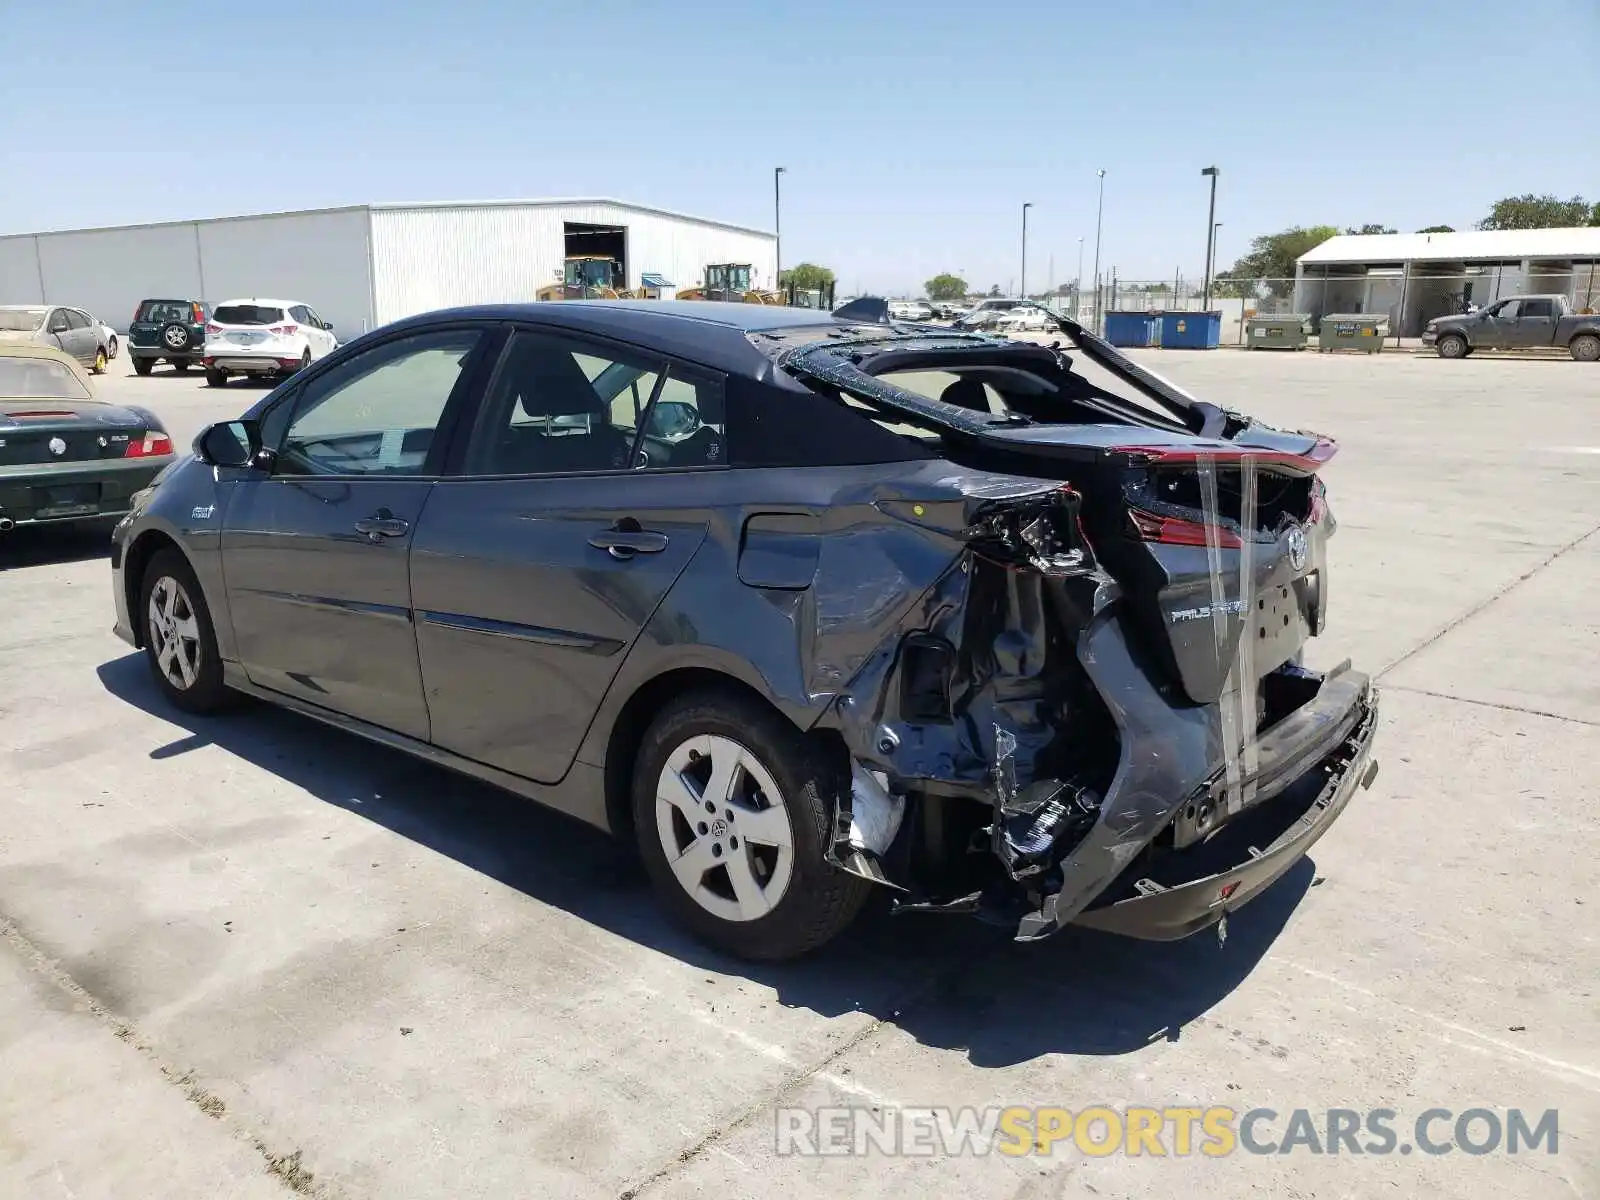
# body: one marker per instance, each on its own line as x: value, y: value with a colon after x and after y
x: 1414, y: 277
x: 366, y: 265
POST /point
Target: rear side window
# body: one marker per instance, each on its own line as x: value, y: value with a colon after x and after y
x: 777, y: 427
x: 247, y: 314
x: 21, y: 320
x: 1537, y: 308
x: 76, y: 319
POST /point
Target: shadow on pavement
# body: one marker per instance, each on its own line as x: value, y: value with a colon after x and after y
x: 948, y: 981
x: 46, y: 545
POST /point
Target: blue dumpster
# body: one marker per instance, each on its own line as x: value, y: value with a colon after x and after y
x: 1131, y: 328
x: 1191, y: 330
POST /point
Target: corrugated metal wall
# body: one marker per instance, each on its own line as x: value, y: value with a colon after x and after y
x: 318, y: 257
x: 436, y: 257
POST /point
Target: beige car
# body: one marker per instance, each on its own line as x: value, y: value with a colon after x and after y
x: 61, y: 328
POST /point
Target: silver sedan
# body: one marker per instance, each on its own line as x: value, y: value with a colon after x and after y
x: 61, y: 328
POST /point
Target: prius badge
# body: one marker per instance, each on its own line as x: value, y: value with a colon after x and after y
x: 1296, y: 543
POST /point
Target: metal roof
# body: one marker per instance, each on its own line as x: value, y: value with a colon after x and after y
x: 1468, y: 246
x: 655, y: 281
x: 408, y: 206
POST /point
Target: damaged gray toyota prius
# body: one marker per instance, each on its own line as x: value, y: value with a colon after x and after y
x: 811, y: 605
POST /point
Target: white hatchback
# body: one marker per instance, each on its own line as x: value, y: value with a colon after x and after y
x: 263, y: 337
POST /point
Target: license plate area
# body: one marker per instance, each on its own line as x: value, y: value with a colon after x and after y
x: 66, y: 500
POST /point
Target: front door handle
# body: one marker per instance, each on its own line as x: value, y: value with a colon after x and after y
x: 382, y: 524
x: 625, y: 539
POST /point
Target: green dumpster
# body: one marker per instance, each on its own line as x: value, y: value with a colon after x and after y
x: 1277, y: 331
x: 1353, y: 331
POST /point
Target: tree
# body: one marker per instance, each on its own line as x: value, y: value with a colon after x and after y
x: 945, y: 287
x: 808, y: 277
x: 1540, y: 212
x: 1273, y: 255
x: 1373, y: 229
x: 1438, y: 229
x: 994, y: 289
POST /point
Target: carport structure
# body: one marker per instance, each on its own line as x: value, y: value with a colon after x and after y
x: 1414, y: 277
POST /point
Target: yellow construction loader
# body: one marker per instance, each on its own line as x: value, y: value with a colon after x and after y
x: 590, y: 277
x: 730, y: 281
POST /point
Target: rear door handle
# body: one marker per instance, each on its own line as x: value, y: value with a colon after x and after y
x: 624, y: 543
x: 382, y: 524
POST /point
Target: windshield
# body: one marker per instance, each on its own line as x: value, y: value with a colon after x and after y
x: 39, y: 378
x: 21, y: 320
x: 247, y: 314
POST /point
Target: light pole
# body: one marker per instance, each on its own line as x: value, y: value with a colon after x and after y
x: 777, y: 226
x: 1077, y: 286
x: 1025, y: 208
x: 1215, y: 225
x: 1099, y: 213
x: 1211, y: 233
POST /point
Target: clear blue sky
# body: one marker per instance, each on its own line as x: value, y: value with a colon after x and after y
x: 912, y: 131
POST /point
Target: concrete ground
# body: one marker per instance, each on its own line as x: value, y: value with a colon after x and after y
x: 251, y: 956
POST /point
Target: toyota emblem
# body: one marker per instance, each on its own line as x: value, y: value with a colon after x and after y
x: 58, y: 446
x: 1297, y: 548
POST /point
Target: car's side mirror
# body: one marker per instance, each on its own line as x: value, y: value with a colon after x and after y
x: 328, y: 325
x: 228, y: 444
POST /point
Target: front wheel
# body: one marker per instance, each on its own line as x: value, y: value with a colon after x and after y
x: 1585, y: 347
x: 180, y: 642
x: 143, y: 366
x: 1452, y: 345
x: 733, y: 808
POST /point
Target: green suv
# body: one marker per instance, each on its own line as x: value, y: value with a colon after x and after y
x: 171, y: 329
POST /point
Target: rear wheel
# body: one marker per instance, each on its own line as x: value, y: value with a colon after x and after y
x: 180, y: 642
x: 1586, y: 347
x: 180, y: 365
x: 733, y: 807
x: 216, y: 378
x: 1452, y: 345
x: 100, y: 360
x: 305, y: 359
x: 143, y: 366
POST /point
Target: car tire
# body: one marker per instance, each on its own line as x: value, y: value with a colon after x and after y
x: 98, y: 367
x: 175, y: 337
x: 180, y: 365
x: 216, y: 378
x: 787, y: 899
x: 1585, y: 347
x: 1452, y: 345
x: 111, y: 347
x: 143, y: 366
x: 305, y: 359
x: 180, y: 642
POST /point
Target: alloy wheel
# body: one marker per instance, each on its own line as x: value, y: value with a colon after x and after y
x: 724, y: 828
x: 174, y: 633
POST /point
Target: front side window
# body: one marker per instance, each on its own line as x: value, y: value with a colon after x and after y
x: 1508, y: 311
x: 59, y: 322
x: 557, y: 406
x: 376, y: 413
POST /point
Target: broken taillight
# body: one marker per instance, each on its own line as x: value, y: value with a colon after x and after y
x: 1319, y: 502
x: 1226, y: 456
x: 1175, y: 531
x: 151, y: 445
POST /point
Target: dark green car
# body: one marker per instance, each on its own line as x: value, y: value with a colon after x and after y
x: 174, y: 330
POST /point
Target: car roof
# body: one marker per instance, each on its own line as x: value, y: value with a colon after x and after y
x: 26, y: 307
x: 710, y: 332
x: 256, y: 300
